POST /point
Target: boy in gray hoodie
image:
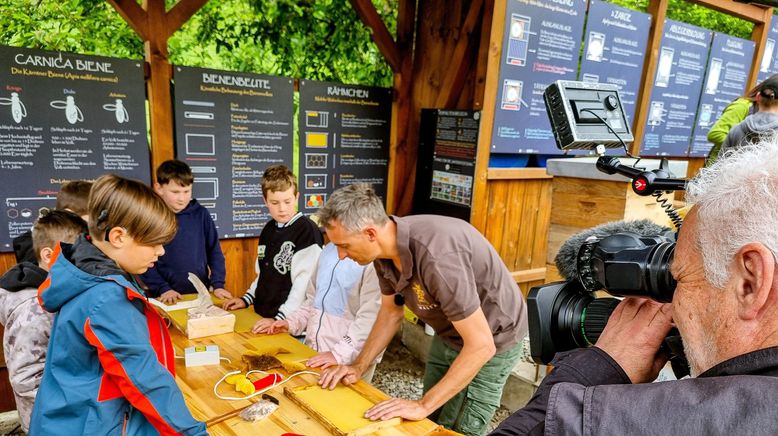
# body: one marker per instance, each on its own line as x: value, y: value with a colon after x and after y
x: 27, y: 325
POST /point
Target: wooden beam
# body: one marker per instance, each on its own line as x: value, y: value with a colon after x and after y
x: 528, y: 275
x: 180, y: 13
x: 134, y: 15
x: 459, y: 65
x: 748, y: 12
x: 517, y: 174
x: 401, y: 105
x: 483, y: 55
x: 381, y: 36
x: 480, y: 188
x: 658, y: 11
x: 759, y: 36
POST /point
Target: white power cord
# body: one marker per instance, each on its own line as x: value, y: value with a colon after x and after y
x: 259, y: 392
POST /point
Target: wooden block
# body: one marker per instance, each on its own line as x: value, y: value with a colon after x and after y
x: 340, y: 410
x: 210, y: 325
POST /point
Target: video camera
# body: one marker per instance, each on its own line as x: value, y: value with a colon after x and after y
x: 622, y: 258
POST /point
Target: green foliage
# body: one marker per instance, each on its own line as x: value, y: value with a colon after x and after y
x: 682, y: 10
x: 311, y: 39
x: 320, y: 40
x: 80, y: 26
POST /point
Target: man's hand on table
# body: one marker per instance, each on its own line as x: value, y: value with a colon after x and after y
x: 330, y: 377
x: 322, y: 360
x: 398, y: 407
x: 234, y: 303
x: 170, y: 297
x: 262, y: 326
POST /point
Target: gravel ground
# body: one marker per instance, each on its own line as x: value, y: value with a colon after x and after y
x: 400, y: 374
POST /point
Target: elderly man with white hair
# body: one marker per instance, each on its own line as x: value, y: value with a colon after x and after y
x: 725, y: 306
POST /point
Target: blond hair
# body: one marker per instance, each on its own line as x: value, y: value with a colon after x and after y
x: 278, y: 178
x: 54, y: 226
x: 118, y: 202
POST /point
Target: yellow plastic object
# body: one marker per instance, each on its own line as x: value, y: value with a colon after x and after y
x: 410, y: 316
x: 244, y: 385
x: 233, y: 379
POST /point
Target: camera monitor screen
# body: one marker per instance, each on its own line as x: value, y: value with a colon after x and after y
x: 584, y: 115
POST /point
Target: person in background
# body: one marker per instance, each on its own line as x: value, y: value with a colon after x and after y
x: 27, y: 325
x: 759, y: 125
x: 340, y: 308
x: 110, y: 365
x: 732, y: 115
x: 195, y: 248
x: 289, y: 247
x: 72, y: 196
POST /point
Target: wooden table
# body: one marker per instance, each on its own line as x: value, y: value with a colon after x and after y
x: 196, y: 383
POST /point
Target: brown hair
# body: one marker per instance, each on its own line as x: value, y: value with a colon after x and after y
x: 174, y: 170
x: 278, y: 178
x: 53, y: 226
x: 74, y: 196
x: 132, y: 205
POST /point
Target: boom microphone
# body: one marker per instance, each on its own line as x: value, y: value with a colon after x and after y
x: 567, y: 258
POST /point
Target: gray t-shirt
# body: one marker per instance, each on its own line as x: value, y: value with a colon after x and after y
x: 449, y: 270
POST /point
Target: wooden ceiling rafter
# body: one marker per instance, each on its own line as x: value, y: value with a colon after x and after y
x: 460, y: 61
x: 381, y: 36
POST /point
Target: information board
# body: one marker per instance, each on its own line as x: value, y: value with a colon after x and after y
x: 541, y: 44
x: 615, y: 46
x: 344, y: 139
x: 768, y: 64
x: 725, y: 80
x: 683, y: 54
x: 230, y: 126
x: 65, y: 117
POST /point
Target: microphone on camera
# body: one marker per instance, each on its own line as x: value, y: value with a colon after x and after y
x: 566, y: 259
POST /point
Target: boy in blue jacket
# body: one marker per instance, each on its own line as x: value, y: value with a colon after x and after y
x: 110, y: 365
x: 196, y: 246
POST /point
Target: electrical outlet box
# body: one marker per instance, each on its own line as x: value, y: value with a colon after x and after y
x: 201, y: 355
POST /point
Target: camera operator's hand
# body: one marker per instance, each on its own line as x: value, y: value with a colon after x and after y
x: 634, y: 333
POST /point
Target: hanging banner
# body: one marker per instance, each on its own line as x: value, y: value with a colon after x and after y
x: 65, y: 117
x: 344, y: 139
x: 615, y: 46
x: 768, y: 64
x: 230, y: 127
x: 541, y: 44
x: 725, y: 80
x: 683, y: 54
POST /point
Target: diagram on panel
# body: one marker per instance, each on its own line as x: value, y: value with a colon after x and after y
x: 118, y: 108
x: 590, y: 78
x: 518, y: 40
x: 714, y: 73
x: 316, y: 119
x: 203, y: 170
x: 706, y: 112
x: 72, y: 112
x: 316, y: 181
x: 316, y: 139
x: 18, y: 110
x: 663, y: 72
x: 596, y: 46
x: 315, y: 201
x: 511, y: 95
x: 316, y: 161
x: 200, y: 144
x: 767, y: 58
x: 206, y: 188
x: 656, y: 113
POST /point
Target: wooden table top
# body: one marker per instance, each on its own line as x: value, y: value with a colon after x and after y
x: 197, y: 383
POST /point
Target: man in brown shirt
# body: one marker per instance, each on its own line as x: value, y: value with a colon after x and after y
x: 452, y: 279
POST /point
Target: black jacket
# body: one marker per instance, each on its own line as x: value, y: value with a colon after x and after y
x: 588, y: 393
